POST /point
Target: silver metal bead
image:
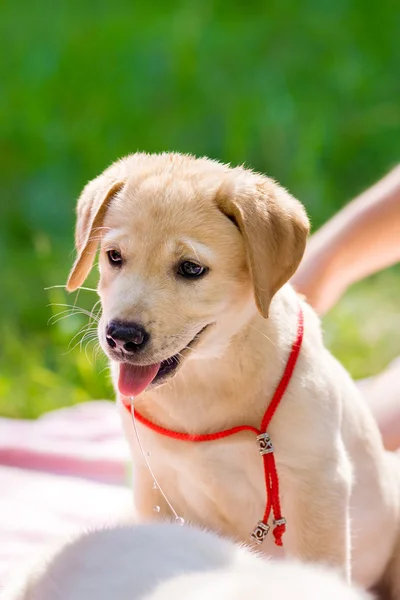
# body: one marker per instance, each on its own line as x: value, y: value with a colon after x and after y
x: 281, y: 521
x: 260, y: 532
x: 264, y: 444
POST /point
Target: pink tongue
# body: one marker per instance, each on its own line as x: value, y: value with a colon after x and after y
x: 133, y: 379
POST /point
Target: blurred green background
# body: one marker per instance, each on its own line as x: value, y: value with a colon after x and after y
x: 307, y: 92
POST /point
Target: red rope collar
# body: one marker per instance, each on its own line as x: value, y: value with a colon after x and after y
x: 263, y: 440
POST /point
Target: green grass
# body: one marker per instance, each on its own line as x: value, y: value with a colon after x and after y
x: 363, y: 330
x: 306, y: 92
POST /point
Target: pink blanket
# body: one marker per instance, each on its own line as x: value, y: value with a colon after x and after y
x: 68, y: 471
x: 65, y: 472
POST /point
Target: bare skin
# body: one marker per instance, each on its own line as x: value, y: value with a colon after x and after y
x: 362, y: 239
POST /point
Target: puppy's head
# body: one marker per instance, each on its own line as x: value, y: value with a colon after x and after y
x: 189, y: 249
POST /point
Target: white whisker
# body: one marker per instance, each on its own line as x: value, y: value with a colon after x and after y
x: 264, y: 335
x: 86, y: 289
x: 86, y: 330
x: 73, y: 307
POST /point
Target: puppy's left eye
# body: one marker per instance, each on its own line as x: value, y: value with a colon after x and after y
x: 190, y: 270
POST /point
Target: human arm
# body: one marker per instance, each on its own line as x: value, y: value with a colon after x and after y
x: 363, y: 238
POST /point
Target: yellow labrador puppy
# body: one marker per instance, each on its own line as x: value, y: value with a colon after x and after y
x: 250, y: 422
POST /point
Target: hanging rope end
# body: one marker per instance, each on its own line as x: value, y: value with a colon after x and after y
x: 279, y: 530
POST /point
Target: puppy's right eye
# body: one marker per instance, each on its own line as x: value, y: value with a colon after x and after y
x: 114, y: 258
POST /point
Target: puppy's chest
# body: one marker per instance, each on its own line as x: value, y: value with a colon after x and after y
x: 218, y: 484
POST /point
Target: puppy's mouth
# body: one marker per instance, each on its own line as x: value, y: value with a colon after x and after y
x: 134, y: 379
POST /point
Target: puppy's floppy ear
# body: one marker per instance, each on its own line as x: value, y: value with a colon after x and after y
x: 274, y: 226
x: 91, y: 210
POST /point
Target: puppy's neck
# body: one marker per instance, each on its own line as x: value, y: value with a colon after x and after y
x: 235, y: 389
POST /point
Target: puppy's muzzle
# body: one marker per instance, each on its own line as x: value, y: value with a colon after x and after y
x: 131, y: 338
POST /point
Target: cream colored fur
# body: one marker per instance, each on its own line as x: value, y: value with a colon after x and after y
x: 339, y: 488
x: 169, y: 562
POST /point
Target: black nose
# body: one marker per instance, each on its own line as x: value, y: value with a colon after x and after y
x: 130, y: 337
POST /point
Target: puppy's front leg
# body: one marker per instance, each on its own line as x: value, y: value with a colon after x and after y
x: 319, y: 517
